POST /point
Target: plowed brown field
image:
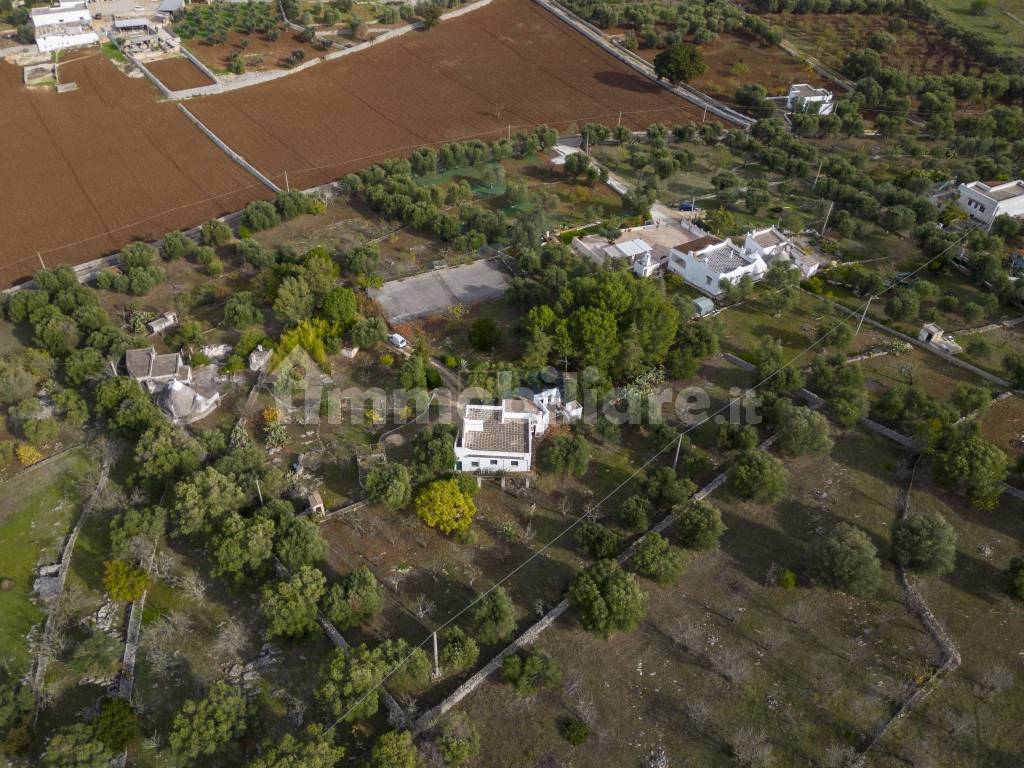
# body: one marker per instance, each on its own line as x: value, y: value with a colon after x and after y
x: 178, y: 73
x: 88, y: 171
x: 508, y: 64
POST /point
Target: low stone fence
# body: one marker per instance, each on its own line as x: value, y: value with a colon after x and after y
x: 228, y: 150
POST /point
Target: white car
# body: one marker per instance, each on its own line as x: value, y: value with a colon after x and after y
x: 398, y: 340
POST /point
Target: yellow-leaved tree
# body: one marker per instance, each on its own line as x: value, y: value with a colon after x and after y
x: 445, y: 506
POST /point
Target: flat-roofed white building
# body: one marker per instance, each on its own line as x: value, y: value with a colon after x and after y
x: 66, y: 25
x: 985, y: 202
x: 804, y: 97
x: 499, y: 438
x: 644, y: 248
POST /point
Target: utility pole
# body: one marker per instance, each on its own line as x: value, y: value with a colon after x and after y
x: 705, y: 115
x: 817, y: 174
x: 40, y: 257
x: 287, y: 186
x: 866, y: 306
x: 510, y: 131
x: 827, y: 215
x: 618, y: 124
x: 437, y: 666
x: 679, y: 446
x: 258, y: 491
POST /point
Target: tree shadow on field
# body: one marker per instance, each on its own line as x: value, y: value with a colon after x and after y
x: 627, y: 81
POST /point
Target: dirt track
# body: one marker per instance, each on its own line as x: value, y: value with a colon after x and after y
x: 510, y: 63
x: 90, y: 170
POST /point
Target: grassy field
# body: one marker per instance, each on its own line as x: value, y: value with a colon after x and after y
x: 974, y: 717
x: 40, y: 509
x: 1002, y: 23
x: 721, y: 656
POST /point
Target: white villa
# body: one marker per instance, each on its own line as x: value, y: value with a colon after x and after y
x: 985, y: 202
x: 499, y: 438
x: 772, y: 245
x: 708, y: 263
x: 804, y: 97
x: 65, y: 25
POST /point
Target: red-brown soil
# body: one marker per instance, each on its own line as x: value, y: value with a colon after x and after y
x: 178, y: 73
x: 88, y: 171
x: 508, y: 64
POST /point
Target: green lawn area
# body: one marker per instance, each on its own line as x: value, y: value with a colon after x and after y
x: 1002, y: 23
x: 40, y: 508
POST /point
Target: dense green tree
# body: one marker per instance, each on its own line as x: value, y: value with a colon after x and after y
x: 699, y: 525
x: 298, y: 541
x: 290, y: 605
x: 349, y: 686
x: 679, y: 63
x: 389, y: 484
x: 494, y: 617
x: 925, y: 542
x: 206, y: 726
x: 564, y: 454
x: 395, y: 749
x: 354, y: 600
x: 758, y: 476
x: 202, y: 500
x: 847, y: 560
x: 339, y: 307
x: 484, y: 333
x: 801, y: 431
x: 368, y: 332
x: 176, y: 245
x: 165, y: 452
x: 315, y: 748
x: 635, y: 513
x: 243, y: 546
x: 294, y: 302
x: 596, y: 540
x: 433, y: 451
x: 76, y: 746
x: 241, y: 311
x: 607, y: 599
x: 656, y: 559
x: 116, y: 725
x: 964, y: 459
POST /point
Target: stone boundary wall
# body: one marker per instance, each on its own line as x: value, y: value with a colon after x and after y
x: 229, y: 151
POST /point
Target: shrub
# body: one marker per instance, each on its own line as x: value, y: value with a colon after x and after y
x: 596, y: 540
x: 389, y: 484
x: 460, y: 651
x: 574, y: 730
x: 530, y: 672
x: 215, y: 232
x: 123, y: 582
x: 656, y: 559
x: 1015, y: 578
x: 564, y: 454
x: 484, y: 334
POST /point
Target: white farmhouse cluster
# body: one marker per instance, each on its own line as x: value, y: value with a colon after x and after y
x: 499, y: 438
x: 985, y: 202
x: 704, y: 261
x: 64, y: 25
